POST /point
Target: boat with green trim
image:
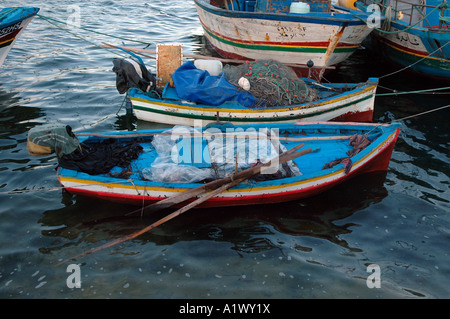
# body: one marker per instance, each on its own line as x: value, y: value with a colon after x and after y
x: 163, y: 163
x: 335, y: 102
x: 12, y: 23
x: 291, y: 32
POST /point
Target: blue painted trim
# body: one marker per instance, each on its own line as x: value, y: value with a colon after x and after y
x: 10, y: 16
x: 312, y: 17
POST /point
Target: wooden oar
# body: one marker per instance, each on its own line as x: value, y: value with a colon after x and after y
x: 179, y: 198
x: 186, y: 195
x: 197, y: 56
x: 159, y: 222
x: 205, y: 134
x: 220, y: 186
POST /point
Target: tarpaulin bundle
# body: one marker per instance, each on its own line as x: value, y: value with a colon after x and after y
x: 198, y: 85
x: 100, y: 158
x: 51, y: 138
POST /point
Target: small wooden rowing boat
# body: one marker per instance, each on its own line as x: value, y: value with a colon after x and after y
x: 12, y: 22
x: 347, y: 102
x: 164, y: 163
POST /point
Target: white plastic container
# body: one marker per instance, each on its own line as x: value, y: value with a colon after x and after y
x: 299, y: 7
x: 214, y: 67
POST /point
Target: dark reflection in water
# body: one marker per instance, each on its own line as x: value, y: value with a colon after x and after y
x: 14, y: 117
x: 249, y: 229
x: 398, y: 220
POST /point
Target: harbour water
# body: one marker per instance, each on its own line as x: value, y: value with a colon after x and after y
x: 316, y: 248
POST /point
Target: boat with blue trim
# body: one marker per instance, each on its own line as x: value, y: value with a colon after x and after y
x: 165, y: 162
x: 12, y: 23
x: 415, y: 35
x: 273, y: 93
x: 345, y: 102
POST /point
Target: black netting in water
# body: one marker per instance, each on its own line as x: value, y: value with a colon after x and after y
x: 271, y: 82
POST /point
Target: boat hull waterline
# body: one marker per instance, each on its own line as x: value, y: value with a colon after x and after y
x: 373, y: 158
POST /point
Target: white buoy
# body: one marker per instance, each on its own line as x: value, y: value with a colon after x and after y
x: 214, y: 67
x: 244, y: 83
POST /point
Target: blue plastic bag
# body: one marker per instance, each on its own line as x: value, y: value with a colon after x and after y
x: 199, y: 86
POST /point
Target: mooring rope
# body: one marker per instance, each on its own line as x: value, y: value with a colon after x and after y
x: 425, y: 91
x: 419, y: 114
x: 89, y: 30
x: 80, y: 37
x: 412, y: 64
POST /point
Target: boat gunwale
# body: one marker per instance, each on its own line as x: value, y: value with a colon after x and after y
x: 281, y: 184
x: 364, y: 87
x: 352, y: 17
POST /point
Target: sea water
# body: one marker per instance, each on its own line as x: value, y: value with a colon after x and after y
x: 321, y: 247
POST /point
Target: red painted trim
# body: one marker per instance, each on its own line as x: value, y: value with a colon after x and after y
x: 10, y: 36
x: 366, y: 116
x: 379, y: 163
x: 403, y: 48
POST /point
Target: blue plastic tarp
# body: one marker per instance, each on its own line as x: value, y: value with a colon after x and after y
x: 199, y: 86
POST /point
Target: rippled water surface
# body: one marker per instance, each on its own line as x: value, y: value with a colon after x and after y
x: 315, y: 248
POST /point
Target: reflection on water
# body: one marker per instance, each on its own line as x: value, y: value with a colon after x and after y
x: 249, y: 229
x: 314, y: 248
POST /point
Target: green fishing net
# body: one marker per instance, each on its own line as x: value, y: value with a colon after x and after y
x: 271, y: 82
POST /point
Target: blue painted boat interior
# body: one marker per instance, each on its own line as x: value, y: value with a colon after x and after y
x: 13, y: 15
x: 279, y: 10
x: 310, y: 165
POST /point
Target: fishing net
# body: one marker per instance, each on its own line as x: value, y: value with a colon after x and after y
x: 271, y: 82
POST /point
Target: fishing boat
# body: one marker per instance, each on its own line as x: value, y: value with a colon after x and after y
x: 415, y: 35
x: 289, y: 31
x: 222, y: 164
x: 12, y: 22
x: 177, y: 104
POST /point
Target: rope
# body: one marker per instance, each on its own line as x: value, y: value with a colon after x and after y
x: 97, y: 32
x: 130, y: 180
x: 49, y: 20
x: 406, y: 117
x: 80, y: 37
x: 395, y: 92
x: 412, y: 64
x: 419, y: 114
x: 7, y: 12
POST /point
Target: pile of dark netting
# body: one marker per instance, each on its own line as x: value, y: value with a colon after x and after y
x: 271, y: 82
x: 100, y: 158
